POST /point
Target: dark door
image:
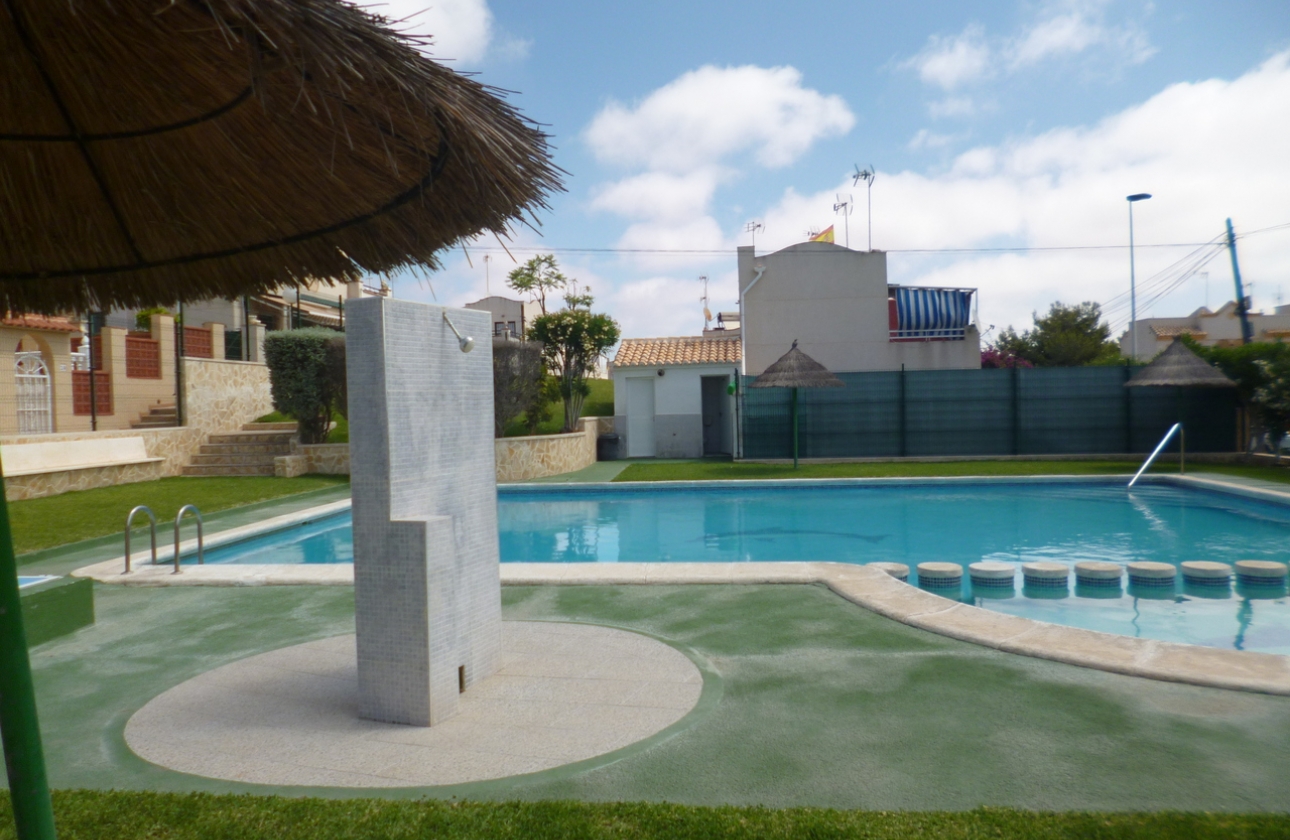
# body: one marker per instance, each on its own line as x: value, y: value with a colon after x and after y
x: 714, y: 415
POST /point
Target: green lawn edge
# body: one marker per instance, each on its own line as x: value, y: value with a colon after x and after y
x: 724, y: 470
x: 121, y: 815
x: 57, y: 521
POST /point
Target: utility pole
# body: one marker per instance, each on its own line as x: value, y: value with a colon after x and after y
x: 1133, y: 285
x: 1242, y: 305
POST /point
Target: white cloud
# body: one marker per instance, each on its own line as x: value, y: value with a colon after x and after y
x: 1206, y: 150
x: 459, y: 30
x: 658, y: 195
x: 954, y: 61
x: 1063, y: 29
x: 711, y: 113
x: 952, y: 106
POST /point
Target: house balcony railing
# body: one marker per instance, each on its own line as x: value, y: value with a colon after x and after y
x: 925, y: 313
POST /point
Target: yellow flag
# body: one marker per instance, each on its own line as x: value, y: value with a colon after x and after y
x: 825, y: 235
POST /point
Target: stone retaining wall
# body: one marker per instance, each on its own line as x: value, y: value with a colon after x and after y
x: 517, y: 458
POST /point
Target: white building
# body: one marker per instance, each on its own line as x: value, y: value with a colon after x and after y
x: 1212, y: 329
x: 673, y: 396
x: 511, y: 318
x: 836, y: 303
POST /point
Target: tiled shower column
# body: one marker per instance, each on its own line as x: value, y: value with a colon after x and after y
x: 426, y: 581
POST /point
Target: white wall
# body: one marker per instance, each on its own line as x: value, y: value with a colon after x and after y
x: 833, y: 301
x: 678, y: 406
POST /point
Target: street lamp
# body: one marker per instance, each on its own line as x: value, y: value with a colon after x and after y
x: 1133, y: 287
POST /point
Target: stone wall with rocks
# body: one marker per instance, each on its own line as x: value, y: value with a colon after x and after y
x: 219, y: 396
x: 538, y: 456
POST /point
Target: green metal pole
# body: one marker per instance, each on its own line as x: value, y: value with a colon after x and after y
x: 33, y: 814
x: 794, y: 428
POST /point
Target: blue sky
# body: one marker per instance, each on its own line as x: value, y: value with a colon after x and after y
x: 989, y: 125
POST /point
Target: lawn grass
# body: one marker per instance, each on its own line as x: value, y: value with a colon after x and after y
x: 709, y: 470
x: 84, y: 514
x: 339, y: 433
x: 122, y: 815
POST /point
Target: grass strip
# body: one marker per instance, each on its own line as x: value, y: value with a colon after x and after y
x: 726, y: 470
x: 121, y: 815
x: 85, y: 514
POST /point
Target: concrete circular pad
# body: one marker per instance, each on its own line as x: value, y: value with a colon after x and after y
x: 563, y: 693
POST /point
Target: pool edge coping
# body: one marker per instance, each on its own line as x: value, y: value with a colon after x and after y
x: 867, y: 587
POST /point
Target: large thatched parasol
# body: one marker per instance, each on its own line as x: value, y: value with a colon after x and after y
x: 154, y: 152
x: 203, y: 148
x: 1179, y: 367
x: 796, y: 370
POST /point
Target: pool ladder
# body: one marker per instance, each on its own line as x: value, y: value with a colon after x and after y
x: 1164, y: 441
x: 152, y: 530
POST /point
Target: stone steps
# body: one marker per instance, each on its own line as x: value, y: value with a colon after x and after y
x: 158, y: 417
x: 248, y: 452
x: 199, y: 470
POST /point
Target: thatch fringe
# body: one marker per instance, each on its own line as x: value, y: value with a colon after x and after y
x: 1179, y: 366
x: 795, y: 369
x: 213, y: 148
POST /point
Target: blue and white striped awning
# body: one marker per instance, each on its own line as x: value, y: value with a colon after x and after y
x: 932, y: 313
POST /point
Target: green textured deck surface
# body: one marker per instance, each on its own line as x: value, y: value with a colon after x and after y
x: 816, y: 702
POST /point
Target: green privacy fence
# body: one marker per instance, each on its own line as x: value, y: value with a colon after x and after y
x: 1039, y: 411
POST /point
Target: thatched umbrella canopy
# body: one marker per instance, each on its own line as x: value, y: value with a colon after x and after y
x: 796, y: 370
x: 1178, y: 366
x: 154, y: 152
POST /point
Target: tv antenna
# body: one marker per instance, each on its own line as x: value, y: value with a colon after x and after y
x: 707, y: 313
x: 866, y: 175
x: 844, y: 209
x: 753, y: 227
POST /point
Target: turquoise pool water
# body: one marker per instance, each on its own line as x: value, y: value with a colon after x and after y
x: 961, y: 522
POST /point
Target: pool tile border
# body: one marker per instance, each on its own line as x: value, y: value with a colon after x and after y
x: 866, y: 587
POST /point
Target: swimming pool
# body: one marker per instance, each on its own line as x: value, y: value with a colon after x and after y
x: 909, y: 522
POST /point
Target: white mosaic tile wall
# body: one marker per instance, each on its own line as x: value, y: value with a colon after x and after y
x: 426, y: 575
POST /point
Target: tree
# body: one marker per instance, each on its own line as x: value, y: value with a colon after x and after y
x: 537, y: 277
x: 1252, y: 367
x: 572, y: 340
x: 1068, y: 336
x: 1273, y: 399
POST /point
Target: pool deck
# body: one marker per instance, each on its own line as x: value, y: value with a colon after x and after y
x: 821, y: 703
x: 864, y: 586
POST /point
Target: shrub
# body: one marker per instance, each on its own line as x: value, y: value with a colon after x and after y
x: 517, y: 382
x: 300, y: 378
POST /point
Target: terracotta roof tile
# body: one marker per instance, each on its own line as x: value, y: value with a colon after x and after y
x: 686, y: 350
x: 1171, y: 332
x: 40, y: 322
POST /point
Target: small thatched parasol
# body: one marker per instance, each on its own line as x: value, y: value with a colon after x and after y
x: 796, y: 370
x: 161, y: 152
x: 151, y: 152
x: 1178, y: 366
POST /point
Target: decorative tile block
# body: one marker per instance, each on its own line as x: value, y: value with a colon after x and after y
x: 426, y: 576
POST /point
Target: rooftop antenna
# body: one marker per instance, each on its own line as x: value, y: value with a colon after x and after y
x: 866, y: 175
x: 707, y: 313
x: 753, y: 227
x: 844, y: 208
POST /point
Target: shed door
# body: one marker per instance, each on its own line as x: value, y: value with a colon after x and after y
x: 714, y: 415
x: 640, y: 417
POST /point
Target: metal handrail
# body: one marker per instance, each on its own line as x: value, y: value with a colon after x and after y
x: 1182, y: 451
x: 198, y: 514
x: 152, y: 529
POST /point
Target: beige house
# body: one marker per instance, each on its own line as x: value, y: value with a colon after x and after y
x: 840, y: 308
x: 1212, y: 329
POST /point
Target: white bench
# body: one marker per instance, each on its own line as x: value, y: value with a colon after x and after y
x: 19, y: 459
